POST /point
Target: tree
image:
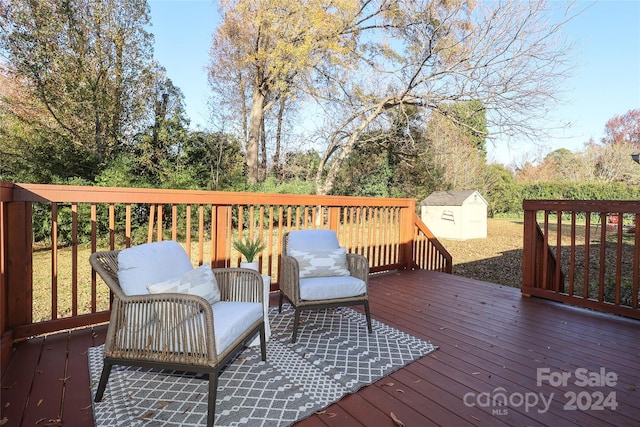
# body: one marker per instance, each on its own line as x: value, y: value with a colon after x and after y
x: 159, y: 146
x: 263, y: 47
x: 612, y: 162
x: 502, y: 192
x: 214, y: 160
x: 457, y: 158
x: 506, y: 54
x: 623, y: 129
x: 84, y: 63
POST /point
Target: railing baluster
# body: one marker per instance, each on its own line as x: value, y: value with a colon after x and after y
x: 74, y: 259
x: 200, y: 234
x: 603, y: 253
x: 587, y: 257
x: 54, y: 261
x: 572, y: 256
x: 559, y: 283
x: 188, y: 229
x: 636, y: 263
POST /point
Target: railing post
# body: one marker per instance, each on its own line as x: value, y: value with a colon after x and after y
x: 19, y: 266
x: 6, y: 334
x: 529, y: 251
x: 334, y: 218
x: 406, y: 234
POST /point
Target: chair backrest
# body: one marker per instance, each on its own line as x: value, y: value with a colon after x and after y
x: 309, y: 240
x: 151, y: 263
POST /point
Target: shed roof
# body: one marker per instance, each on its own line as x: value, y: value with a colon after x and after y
x: 449, y: 198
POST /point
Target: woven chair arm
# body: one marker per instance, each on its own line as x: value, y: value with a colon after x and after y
x: 358, y: 266
x: 290, y: 278
x: 105, y: 263
x: 239, y: 284
x: 167, y: 328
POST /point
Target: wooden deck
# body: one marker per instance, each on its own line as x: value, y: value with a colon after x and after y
x: 492, y: 343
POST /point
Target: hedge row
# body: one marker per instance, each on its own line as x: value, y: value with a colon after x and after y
x: 508, y: 199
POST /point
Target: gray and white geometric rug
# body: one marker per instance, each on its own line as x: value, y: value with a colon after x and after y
x: 334, y: 356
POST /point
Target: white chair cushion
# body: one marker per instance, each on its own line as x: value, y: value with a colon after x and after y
x: 200, y: 281
x: 231, y: 319
x: 320, y: 288
x: 151, y: 263
x: 312, y: 240
x: 321, y: 263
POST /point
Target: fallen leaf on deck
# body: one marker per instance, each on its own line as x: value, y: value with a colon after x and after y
x: 54, y: 423
x: 4, y: 421
x: 388, y: 385
x: 39, y: 402
x: 147, y: 415
x: 396, y: 420
x: 332, y: 414
x: 399, y: 390
x: 163, y: 405
x: 321, y: 412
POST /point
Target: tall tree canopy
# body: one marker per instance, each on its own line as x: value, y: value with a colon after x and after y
x: 623, y: 128
x: 375, y: 55
x: 263, y: 48
x: 86, y: 66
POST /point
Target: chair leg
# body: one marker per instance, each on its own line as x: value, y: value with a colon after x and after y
x: 280, y: 302
x: 263, y: 344
x: 213, y: 392
x: 296, y: 321
x: 104, y: 377
x: 368, y: 313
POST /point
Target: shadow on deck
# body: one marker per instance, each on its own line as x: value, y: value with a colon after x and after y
x: 493, y: 342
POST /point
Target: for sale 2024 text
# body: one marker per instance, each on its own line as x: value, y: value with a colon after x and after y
x: 583, y: 400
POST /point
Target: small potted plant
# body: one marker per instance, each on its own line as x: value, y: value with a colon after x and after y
x: 249, y: 249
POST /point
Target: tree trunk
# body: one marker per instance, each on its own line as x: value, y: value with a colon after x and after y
x: 276, y: 155
x: 253, y: 143
x: 263, y: 151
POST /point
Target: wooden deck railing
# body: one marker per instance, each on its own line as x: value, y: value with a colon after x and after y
x: 44, y: 290
x: 585, y: 253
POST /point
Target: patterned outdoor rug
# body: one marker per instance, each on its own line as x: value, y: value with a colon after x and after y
x: 334, y: 355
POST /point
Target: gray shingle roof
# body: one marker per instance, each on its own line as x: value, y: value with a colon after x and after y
x: 447, y: 198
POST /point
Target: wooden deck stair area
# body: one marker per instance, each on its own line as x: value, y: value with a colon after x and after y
x: 494, y: 344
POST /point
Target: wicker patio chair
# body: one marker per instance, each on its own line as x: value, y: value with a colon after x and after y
x: 311, y: 276
x: 176, y: 331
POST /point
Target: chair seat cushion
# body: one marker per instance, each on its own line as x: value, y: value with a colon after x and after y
x: 231, y: 319
x: 321, y: 288
x: 151, y: 263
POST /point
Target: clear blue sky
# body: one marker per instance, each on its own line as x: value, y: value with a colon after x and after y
x: 605, y: 82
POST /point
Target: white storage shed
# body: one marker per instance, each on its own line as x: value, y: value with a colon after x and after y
x: 459, y: 215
